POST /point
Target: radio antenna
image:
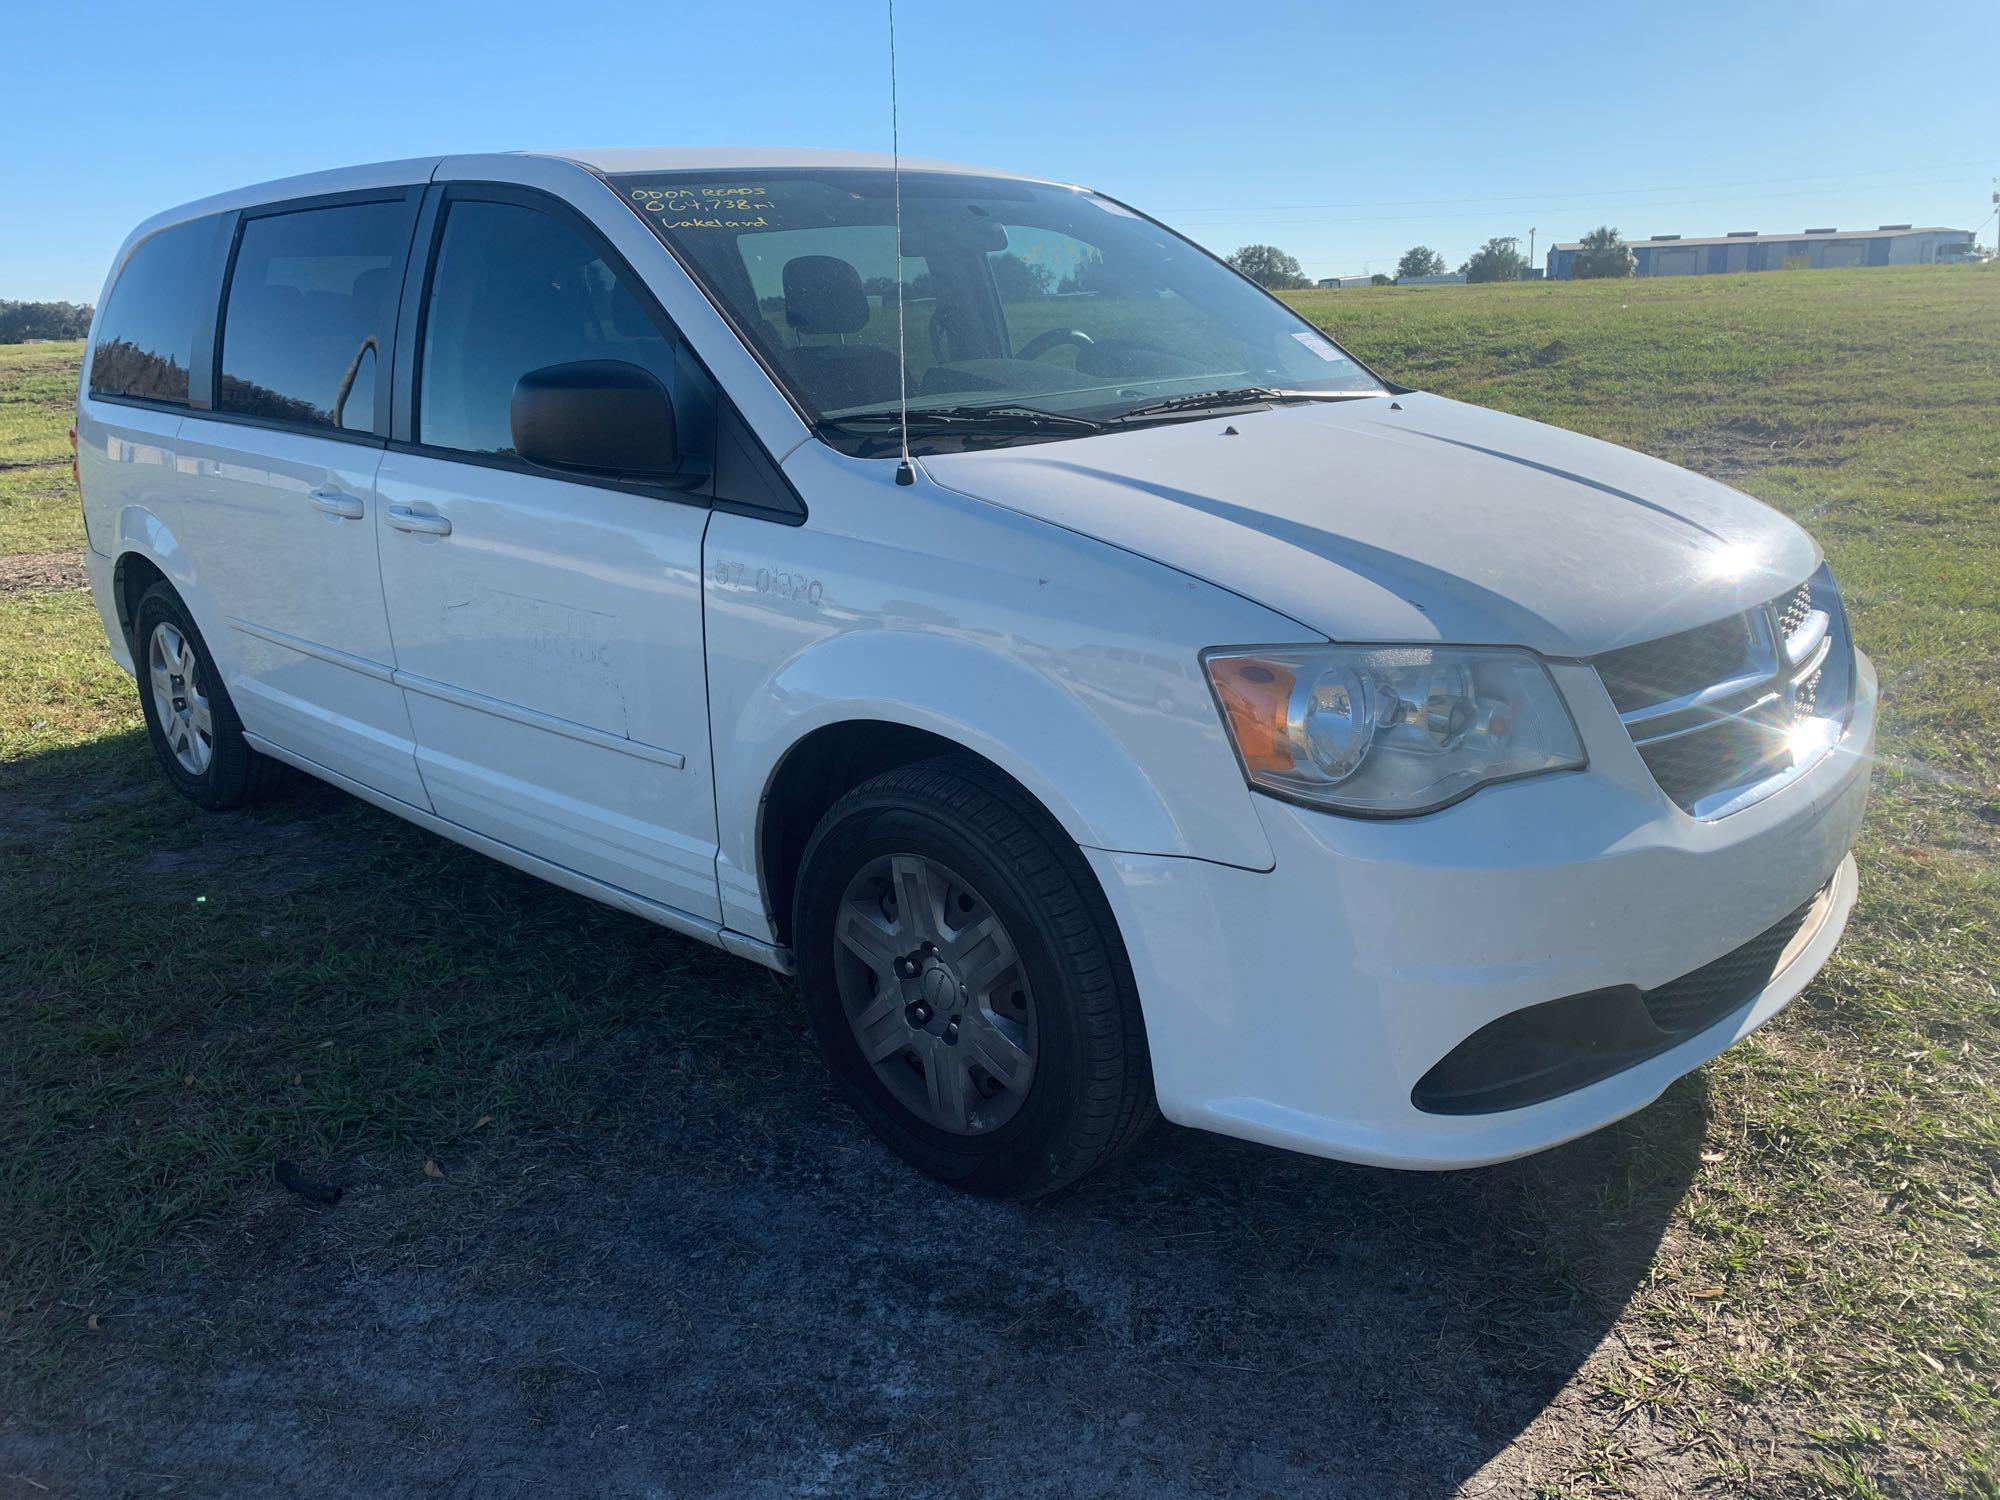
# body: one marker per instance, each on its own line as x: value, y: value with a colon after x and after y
x: 905, y: 471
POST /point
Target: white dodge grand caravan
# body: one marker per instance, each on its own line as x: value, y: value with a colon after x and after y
x: 1196, y: 721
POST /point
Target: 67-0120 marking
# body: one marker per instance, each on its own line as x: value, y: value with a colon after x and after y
x: 779, y: 583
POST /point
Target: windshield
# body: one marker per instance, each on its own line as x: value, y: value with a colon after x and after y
x: 1022, y: 300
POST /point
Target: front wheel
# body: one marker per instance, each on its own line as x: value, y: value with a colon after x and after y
x: 967, y: 983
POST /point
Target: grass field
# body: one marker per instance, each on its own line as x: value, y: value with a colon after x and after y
x: 1815, y: 1308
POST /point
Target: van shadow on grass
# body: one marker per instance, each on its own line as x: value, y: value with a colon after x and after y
x: 671, y: 1259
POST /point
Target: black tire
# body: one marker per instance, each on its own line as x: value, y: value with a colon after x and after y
x: 1091, y: 1094
x: 235, y: 774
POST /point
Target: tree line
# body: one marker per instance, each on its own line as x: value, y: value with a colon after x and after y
x: 1604, y: 254
x: 20, y: 321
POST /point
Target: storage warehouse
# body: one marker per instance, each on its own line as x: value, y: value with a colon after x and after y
x: 1812, y: 249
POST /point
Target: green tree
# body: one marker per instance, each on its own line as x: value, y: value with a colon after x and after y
x: 43, y: 320
x: 1378, y: 279
x: 1499, y: 259
x: 1419, y: 260
x: 1604, y: 254
x: 1018, y: 280
x: 1269, y: 266
x: 1089, y: 277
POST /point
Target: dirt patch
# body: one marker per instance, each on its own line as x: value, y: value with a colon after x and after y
x: 688, y: 1296
x: 22, y: 822
x: 260, y: 858
x: 43, y: 818
x: 1731, y: 450
x: 42, y: 572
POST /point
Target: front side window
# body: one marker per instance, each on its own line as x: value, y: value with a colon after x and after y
x: 516, y: 290
x: 311, y: 300
x: 145, y: 336
x: 1016, y: 294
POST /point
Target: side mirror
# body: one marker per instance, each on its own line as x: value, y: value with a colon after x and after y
x: 602, y: 416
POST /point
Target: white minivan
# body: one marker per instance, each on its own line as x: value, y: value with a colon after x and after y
x: 1192, y: 721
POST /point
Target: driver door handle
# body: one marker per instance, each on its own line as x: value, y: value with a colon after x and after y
x: 425, y: 523
x: 335, y: 503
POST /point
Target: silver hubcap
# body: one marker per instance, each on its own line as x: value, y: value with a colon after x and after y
x: 935, y: 992
x: 178, y: 698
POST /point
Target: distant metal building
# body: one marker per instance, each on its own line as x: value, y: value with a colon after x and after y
x: 1747, y: 250
x: 1334, y: 283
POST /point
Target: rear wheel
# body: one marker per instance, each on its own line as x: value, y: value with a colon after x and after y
x: 967, y: 983
x: 189, y: 718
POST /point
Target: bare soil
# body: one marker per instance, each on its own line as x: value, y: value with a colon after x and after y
x: 42, y: 572
x: 722, y: 1285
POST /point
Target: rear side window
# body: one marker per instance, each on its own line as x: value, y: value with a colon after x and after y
x: 311, y: 301
x: 145, y: 336
x: 515, y: 289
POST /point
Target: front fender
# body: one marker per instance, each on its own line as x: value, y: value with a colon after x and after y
x: 1041, y: 728
x: 1073, y: 666
x: 982, y: 700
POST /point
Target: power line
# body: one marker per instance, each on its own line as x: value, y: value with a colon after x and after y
x: 1694, y: 187
x: 1540, y: 208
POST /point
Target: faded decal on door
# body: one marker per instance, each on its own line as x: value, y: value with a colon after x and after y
x: 541, y: 654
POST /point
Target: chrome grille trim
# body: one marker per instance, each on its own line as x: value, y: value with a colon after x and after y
x: 1807, y: 636
x: 1644, y: 723
x: 1779, y: 691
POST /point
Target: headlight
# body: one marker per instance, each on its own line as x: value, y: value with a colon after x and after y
x: 1390, y: 730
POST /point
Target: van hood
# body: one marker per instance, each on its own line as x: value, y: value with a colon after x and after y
x: 1412, y: 519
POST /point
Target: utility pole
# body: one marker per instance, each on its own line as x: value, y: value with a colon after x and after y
x: 1531, y: 249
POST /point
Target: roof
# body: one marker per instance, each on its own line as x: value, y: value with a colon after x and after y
x: 1765, y: 239
x: 616, y: 159
x: 415, y: 170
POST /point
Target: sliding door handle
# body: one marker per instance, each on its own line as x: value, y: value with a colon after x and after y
x: 335, y: 503
x: 425, y: 523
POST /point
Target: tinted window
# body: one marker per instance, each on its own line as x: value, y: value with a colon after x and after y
x: 516, y: 289
x: 145, y: 339
x: 311, y: 302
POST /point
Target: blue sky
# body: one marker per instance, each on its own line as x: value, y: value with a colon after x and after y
x: 1341, y: 133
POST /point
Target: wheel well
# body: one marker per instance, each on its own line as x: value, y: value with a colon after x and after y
x: 130, y: 578
x: 816, y: 773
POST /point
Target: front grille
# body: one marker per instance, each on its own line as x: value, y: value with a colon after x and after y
x: 1727, y: 712
x: 1675, y: 665
x: 1805, y: 698
x: 1794, y: 611
x: 1698, y: 1000
x: 1690, y: 766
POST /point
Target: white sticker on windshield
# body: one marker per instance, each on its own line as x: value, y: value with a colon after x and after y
x: 1322, y: 347
x: 1113, y: 208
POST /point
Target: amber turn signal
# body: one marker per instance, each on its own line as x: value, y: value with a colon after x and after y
x: 1256, y: 696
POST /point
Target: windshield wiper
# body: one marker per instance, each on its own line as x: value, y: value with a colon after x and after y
x: 995, y: 420
x: 1242, y: 395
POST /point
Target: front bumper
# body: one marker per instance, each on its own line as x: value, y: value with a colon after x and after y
x: 1300, y: 1007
